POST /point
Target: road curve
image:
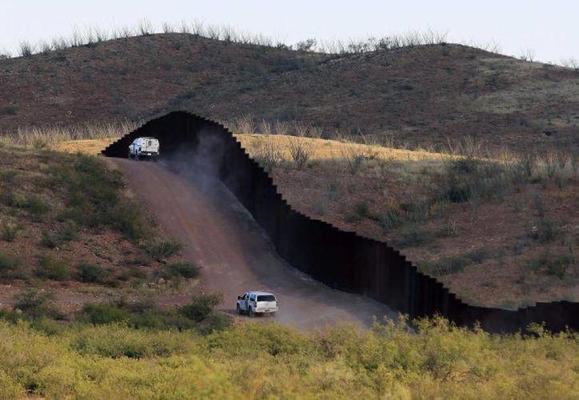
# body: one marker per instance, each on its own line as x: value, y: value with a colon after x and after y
x: 234, y: 252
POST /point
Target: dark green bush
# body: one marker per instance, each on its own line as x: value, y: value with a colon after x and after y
x: 455, y: 264
x: 9, y: 232
x: 103, y: 313
x: 36, y: 304
x: 90, y: 273
x: 9, y: 110
x: 391, y: 219
x: 50, y: 268
x: 162, y: 249
x: 201, y: 306
x: 7, y: 264
x: 50, y: 240
x: 544, y: 231
x: 182, y: 269
x: 553, y: 265
x: 214, y: 322
x: 35, y: 205
x: 412, y: 236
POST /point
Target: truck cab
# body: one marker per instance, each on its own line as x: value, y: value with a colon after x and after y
x: 256, y: 302
x: 144, y: 147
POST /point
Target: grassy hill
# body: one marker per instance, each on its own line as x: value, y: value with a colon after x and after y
x: 498, y: 229
x: 415, y: 95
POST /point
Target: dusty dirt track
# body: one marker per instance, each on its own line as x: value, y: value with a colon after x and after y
x: 235, y: 254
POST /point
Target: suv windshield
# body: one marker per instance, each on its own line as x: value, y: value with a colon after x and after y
x: 268, y: 297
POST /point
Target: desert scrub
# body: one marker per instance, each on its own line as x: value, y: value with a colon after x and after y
x: 181, y: 269
x: 160, y: 249
x: 53, y: 269
x: 436, y: 361
x: 95, y: 200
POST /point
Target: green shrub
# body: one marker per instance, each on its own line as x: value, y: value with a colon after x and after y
x: 544, y: 231
x: 90, y: 273
x: 553, y: 265
x: 35, y: 205
x: 162, y: 249
x: 214, y: 322
x: 412, y: 236
x: 391, y: 219
x: 9, y: 110
x: 50, y: 268
x: 455, y: 264
x: 182, y: 269
x: 103, y: 313
x: 8, y: 266
x: 36, y: 304
x: 9, y: 231
x: 50, y: 240
x: 201, y: 306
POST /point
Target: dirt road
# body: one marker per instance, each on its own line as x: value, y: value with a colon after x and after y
x: 234, y: 252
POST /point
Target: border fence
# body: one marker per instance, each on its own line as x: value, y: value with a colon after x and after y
x: 339, y: 259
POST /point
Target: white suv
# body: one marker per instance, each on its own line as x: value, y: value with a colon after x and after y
x: 252, y: 303
x: 144, y: 147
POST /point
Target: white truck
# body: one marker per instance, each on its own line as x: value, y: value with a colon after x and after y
x: 144, y: 147
x: 252, y: 303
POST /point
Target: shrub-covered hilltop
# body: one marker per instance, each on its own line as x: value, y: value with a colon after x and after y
x: 263, y: 361
x: 416, y: 91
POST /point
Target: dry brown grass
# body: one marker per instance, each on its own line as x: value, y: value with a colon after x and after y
x: 87, y: 146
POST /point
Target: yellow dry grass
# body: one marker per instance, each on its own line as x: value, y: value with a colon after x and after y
x: 322, y: 149
x: 88, y: 146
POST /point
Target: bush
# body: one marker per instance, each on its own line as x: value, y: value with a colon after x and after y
x: 50, y: 268
x: 552, y: 265
x: 214, y: 322
x: 56, y: 238
x: 50, y: 240
x: 90, y: 273
x: 35, y: 205
x: 162, y: 249
x: 391, y: 219
x: 10, y: 231
x: 201, y: 306
x: 300, y: 153
x: 9, y: 110
x: 412, y: 236
x: 36, y: 304
x: 103, y: 313
x: 452, y: 265
x: 182, y: 269
x: 8, y: 266
x: 544, y: 231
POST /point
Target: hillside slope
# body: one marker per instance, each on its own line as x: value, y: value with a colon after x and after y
x: 417, y: 95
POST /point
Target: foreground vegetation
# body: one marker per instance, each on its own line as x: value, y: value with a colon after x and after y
x: 262, y: 361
